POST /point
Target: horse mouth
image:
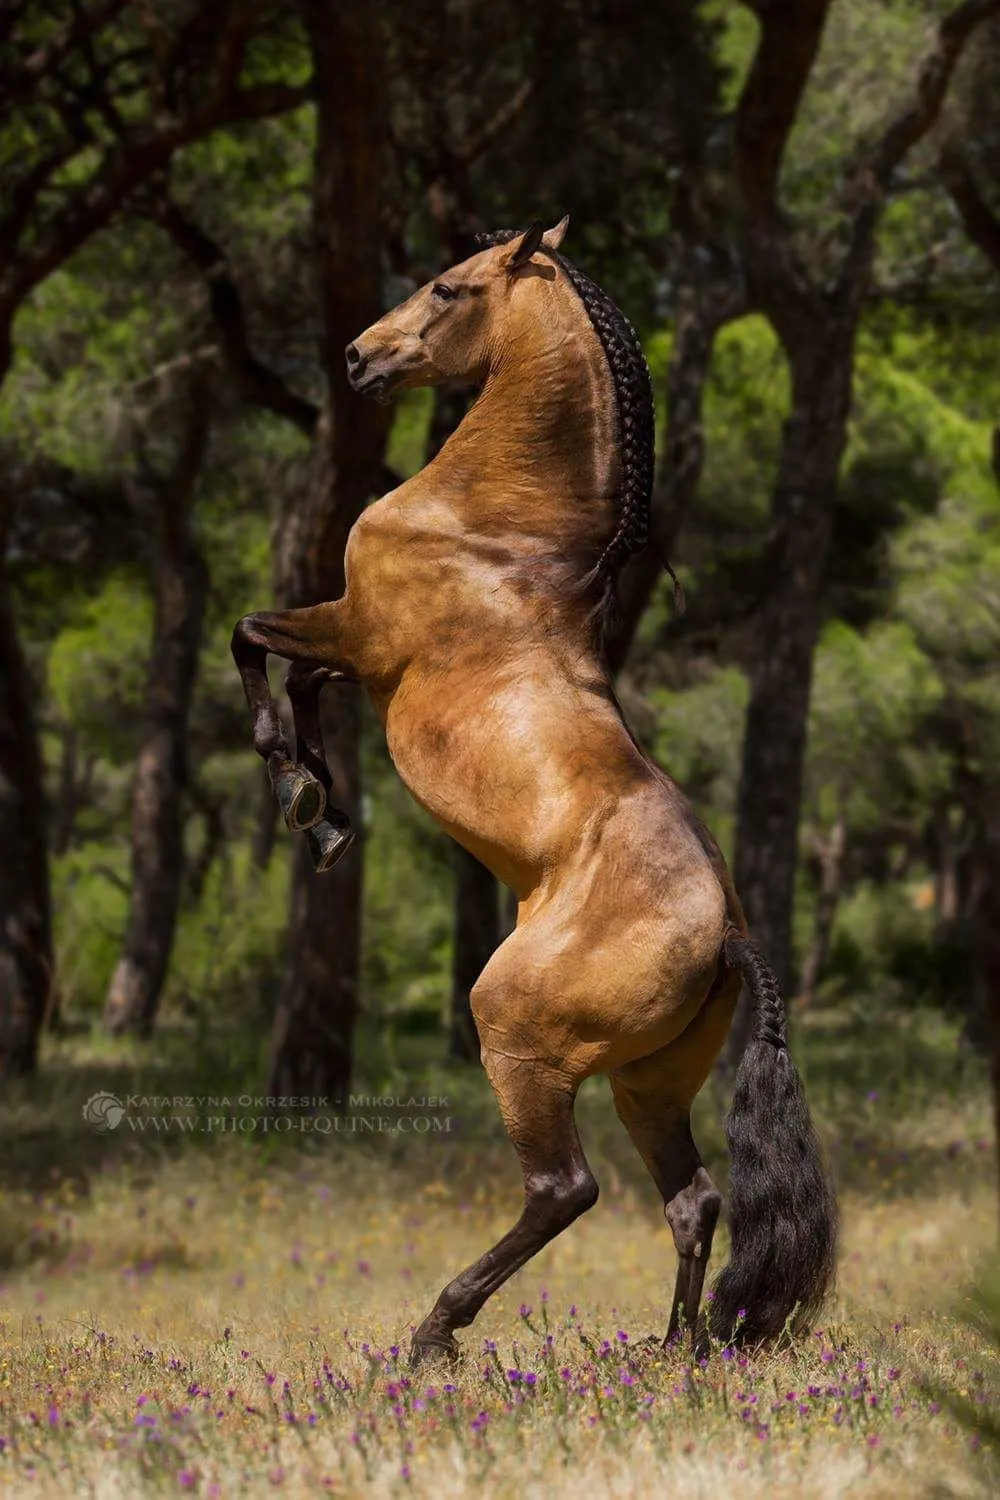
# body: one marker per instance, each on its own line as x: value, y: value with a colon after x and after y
x: 374, y: 385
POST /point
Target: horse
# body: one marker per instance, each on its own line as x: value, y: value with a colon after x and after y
x: 476, y: 595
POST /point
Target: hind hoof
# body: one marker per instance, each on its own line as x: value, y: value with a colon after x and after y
x: 329, y: 840
x: 300, y: 796
x: 433, y: 1351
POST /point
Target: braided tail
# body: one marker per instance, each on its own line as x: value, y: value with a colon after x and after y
x: 782, y: 1209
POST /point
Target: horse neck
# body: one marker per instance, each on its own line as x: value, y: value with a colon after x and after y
x: 535, y: 459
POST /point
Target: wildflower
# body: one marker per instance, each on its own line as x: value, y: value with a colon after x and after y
x: 186, y: 1478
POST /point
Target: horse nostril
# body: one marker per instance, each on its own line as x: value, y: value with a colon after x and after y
x: 353, y: 356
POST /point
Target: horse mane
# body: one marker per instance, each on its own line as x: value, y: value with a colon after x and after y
x: 633, y: 390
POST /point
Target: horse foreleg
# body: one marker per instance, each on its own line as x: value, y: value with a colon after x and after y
x: 307, y: 638
x: 332, y: 835
x: 537, y: 1109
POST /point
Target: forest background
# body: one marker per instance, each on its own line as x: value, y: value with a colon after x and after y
x: 797, y: 205
x: 797, y: 202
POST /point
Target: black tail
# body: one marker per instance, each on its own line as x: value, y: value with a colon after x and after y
x: 782, y: 1208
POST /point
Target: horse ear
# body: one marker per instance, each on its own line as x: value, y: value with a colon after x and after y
x: 525, y: 248
x: 554, y: 237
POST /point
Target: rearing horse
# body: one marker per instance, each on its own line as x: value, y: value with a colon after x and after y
x: 472, y: 615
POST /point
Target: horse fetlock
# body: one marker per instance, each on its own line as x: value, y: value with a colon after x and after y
x: 301, y: 797
x: 693, y: 1214
x: 329, y: 840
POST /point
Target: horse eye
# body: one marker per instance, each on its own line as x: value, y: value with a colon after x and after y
x: 446, y: 293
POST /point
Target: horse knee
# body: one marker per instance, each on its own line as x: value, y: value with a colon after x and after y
x: 247, y: 638
x: 556, y: 1201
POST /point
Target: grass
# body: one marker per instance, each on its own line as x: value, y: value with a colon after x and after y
x: 228, y: 1314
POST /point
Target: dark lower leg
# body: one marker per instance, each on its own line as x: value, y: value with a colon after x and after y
x: 302, y: 637
x: 692, y: 1215
x: 558, y: 1188
x: 691, y: 1201
x: 330, y: 836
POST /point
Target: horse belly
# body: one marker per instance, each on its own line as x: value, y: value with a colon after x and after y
x: 479, y: 774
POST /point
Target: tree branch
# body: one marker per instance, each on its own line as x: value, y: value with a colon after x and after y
x: 981, y: 224
x: 257, y: 383
x: 790, y: 33
x: 121, y: 172
x: 18, y: 85
x: 873, y: 172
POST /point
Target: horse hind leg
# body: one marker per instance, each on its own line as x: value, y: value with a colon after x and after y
x: 662, y: 1135
x: 537, y: 1109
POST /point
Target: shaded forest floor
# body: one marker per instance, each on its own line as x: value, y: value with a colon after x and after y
x: 226, y: 1311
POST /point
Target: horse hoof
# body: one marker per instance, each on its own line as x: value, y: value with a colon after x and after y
x: 329, y: 840
x: 433, y: 1351
x: 300, y: 796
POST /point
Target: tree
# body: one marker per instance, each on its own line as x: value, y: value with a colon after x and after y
x: 813, y: 296
x: 311, y: 1051
x: 93, y: 100
x: 180, y: 589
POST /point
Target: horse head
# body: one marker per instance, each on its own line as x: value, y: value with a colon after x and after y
x: 449, y: 331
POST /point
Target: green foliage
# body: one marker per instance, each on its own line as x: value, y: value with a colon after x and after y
x: 698, y: 735
x: 97, y: 668
x: 745, y: 403
x: 871, y: 692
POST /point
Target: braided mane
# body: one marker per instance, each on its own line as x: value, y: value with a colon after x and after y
x: 634, y: 406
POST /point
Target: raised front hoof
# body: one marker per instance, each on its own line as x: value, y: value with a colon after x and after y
x: 329, y: 840
x: 300, y: 796
x: 428, y: 1351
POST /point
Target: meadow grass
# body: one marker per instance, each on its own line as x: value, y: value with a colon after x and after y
x: 229, y: 1314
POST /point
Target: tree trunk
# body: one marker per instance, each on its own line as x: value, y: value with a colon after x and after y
x: 180, y: 588
x: 986, y: 939
x: 265, y: 831
x: 788, y: 625
x: 476, y: 933
x: 312, y: 1043
x: 26, y: 965
x: 831, y: 866
x: 476, y: 937
x: 26, y: 969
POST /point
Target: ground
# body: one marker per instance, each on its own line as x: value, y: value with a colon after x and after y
x: 228, y: 1313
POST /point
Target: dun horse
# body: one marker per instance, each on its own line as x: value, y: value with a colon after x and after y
x: 472, y: 615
